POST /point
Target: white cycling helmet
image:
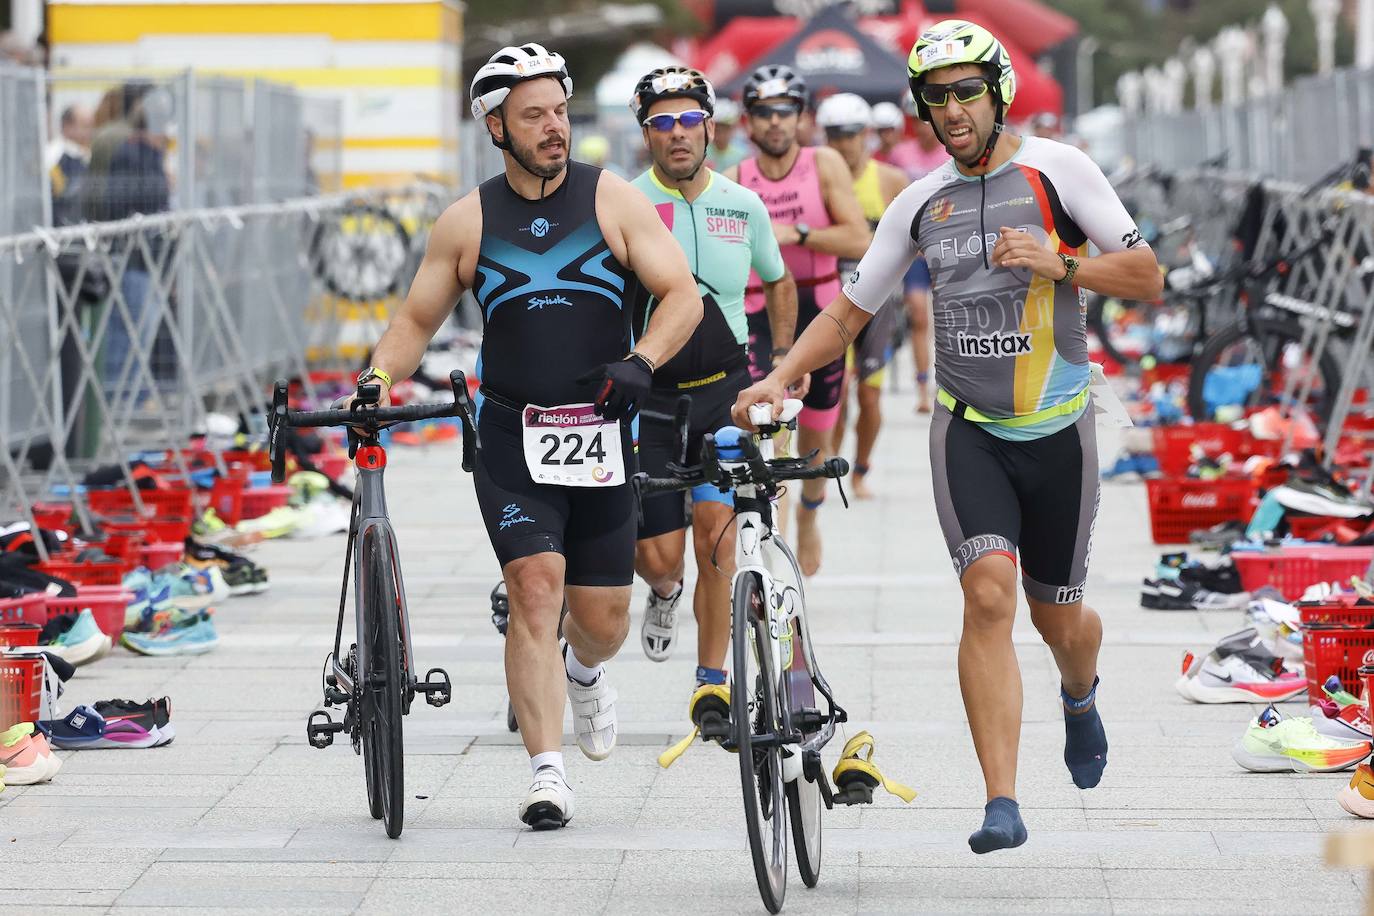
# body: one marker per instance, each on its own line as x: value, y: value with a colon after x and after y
x: 886, y: 114
x: 509, y: 66
x: 844, y: 110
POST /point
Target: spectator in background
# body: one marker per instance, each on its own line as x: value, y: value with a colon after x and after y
x: 1046, y: 124
x: 595, y: 149
x: 67, y: 158
x: 128, y: 176
x: 726, y: 148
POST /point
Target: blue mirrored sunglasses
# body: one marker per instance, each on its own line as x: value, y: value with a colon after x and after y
x: 664, y: 122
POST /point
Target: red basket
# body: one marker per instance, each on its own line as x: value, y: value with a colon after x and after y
x: 107, y: 603
x: 22, y: 633
x: 1181, y: 505
x: 1329, y: 649
x: 1173, y: 444
x: 1292, y: 569
x: 260, y: 501
x: 332, y: 465
x: 151, y: 529
x: 51, y: 515
x: 1340, y: 610
x: 174, y: 502
x: 86, y: 573
x: 1367, y: 685
x: 161, y: 553
x: 21, y: 690
x: 29, y: 609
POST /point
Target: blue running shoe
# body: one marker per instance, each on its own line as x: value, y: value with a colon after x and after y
x: 194, y: 639
x: 83, y: 727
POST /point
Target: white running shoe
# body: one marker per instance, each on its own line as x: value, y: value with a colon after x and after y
x: 659, y: 630
x: 1234, y: 679
x: 549, y: 804
x: 593, y: 709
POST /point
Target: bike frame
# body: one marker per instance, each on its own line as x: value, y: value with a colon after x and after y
x: 371, y: 521
x: 760, y: 551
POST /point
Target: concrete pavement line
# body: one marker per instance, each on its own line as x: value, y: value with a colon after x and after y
x: 192, y: 838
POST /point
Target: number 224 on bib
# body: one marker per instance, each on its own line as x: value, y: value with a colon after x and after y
x: 571, y: 446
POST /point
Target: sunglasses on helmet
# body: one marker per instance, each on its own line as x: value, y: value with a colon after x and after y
x: 665, y: 122
x: 969, y: 89
x: 841, y: 131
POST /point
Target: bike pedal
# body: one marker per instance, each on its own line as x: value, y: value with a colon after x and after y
x: 713, y: 726
x: 436, y: 687
x: 320, y: 733
x: 855, y: 789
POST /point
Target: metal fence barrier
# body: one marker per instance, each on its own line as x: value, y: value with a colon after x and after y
x: 122, y: 336
x: 1296, y: 135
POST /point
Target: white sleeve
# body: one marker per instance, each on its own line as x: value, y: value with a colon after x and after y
x: 892, y: 250
x: 1090, y: 200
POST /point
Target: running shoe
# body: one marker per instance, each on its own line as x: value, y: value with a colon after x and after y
x: 1327, y: 719
x: 1275, y: 744
x: 278, y: 523
x: 1358, y: 797
x: 1238, y: 670
x: 148, y: 715
x: 195, y: 638
x: 1149, y: 595
x: 659, y: 629
x: 26, y: 761
x: 549, y: 804
x: 80, y: 640
x: 82, y: 727
x: 1319, y: 498
x: 594, y: 720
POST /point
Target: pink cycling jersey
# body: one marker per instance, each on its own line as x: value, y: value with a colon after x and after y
x: 794, y: 198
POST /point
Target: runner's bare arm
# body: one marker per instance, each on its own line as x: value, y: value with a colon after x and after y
x: 780, y: 298
x: 639, y: 240
x: 447, y: 270
x: 850, y: 236
x: 826, y: 338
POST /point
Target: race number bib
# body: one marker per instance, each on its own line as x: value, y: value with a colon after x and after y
x: 571, y: 446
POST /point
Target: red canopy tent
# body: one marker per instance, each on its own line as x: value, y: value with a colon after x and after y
x: 1029, y: 23
x: 743, y: 40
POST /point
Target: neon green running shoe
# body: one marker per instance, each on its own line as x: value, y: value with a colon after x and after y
x: 1275, y: 744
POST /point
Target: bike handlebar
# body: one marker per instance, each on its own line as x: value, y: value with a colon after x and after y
x: 738, y: 472
x: 364, y: 412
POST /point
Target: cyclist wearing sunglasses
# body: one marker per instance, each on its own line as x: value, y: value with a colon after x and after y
x: 816, y: 218
x: 725, y: 231
x: 1005, y: 227
x: 548, y: 248
x: 847, y: 121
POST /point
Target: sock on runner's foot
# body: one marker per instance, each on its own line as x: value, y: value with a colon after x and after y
x: 1085, y: 740
x: 1002, y: 826
x: 548, y: 759
x: 578, y: 671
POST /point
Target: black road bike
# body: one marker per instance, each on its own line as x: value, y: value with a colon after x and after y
x: 375, y: 681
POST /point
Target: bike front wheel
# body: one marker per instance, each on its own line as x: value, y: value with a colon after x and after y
x: 1252, y: 360
x: 754, y: 713
x: 383, y: 689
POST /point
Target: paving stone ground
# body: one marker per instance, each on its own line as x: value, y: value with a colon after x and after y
x: 241, y: 814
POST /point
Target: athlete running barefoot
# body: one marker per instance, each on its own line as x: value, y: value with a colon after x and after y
x: 724, y: 230
x: 846, y: 119
x: 1005, y: 228
x: 548, y: 249
x: 816, y: 219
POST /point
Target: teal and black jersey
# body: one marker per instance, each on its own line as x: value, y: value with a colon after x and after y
x: 552, y: 295
x: 725, y: 231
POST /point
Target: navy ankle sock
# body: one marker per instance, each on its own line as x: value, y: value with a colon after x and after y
x: 1002, y: 827
x: 1085, y: 740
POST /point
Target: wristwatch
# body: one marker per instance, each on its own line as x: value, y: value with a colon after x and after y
x: 372, y: 372
x: 803, y: 230
x: 1070, y: 269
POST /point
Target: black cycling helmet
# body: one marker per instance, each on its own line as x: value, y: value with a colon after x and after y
x: 772, y: 81
x: 671, y: 83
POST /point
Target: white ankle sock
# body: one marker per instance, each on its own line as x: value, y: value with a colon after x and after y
x: 578, y: 671
x: 549, y: 759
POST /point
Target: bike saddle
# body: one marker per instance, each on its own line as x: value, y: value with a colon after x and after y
x: 856, y: 776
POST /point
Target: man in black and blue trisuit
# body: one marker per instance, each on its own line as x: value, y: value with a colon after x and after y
x: 551, y: 250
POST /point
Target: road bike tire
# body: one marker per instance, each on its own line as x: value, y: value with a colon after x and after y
x: 754, y: 708
x: 1097, y: 323
x: 1264, y: 338
x: 804, y: 802
x: 384, y: 687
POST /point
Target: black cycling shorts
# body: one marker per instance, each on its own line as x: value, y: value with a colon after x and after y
x: 821, y: 406
x: 593, y: 528
x: 1040, y: 496
x: 711, y: 403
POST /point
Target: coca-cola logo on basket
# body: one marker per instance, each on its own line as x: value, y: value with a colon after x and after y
x: 1200, y: 501
x: 1369, y: 657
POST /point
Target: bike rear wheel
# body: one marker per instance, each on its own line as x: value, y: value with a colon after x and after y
x: 383, y: 689
x: 1273, y: 350
x: 804, y: 802
x: 754, y: 712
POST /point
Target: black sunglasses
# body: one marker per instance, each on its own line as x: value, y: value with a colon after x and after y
x: 969, y: 89
x: 782, y: 110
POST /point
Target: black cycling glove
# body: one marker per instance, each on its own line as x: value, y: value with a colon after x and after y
x: 622, y: 388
